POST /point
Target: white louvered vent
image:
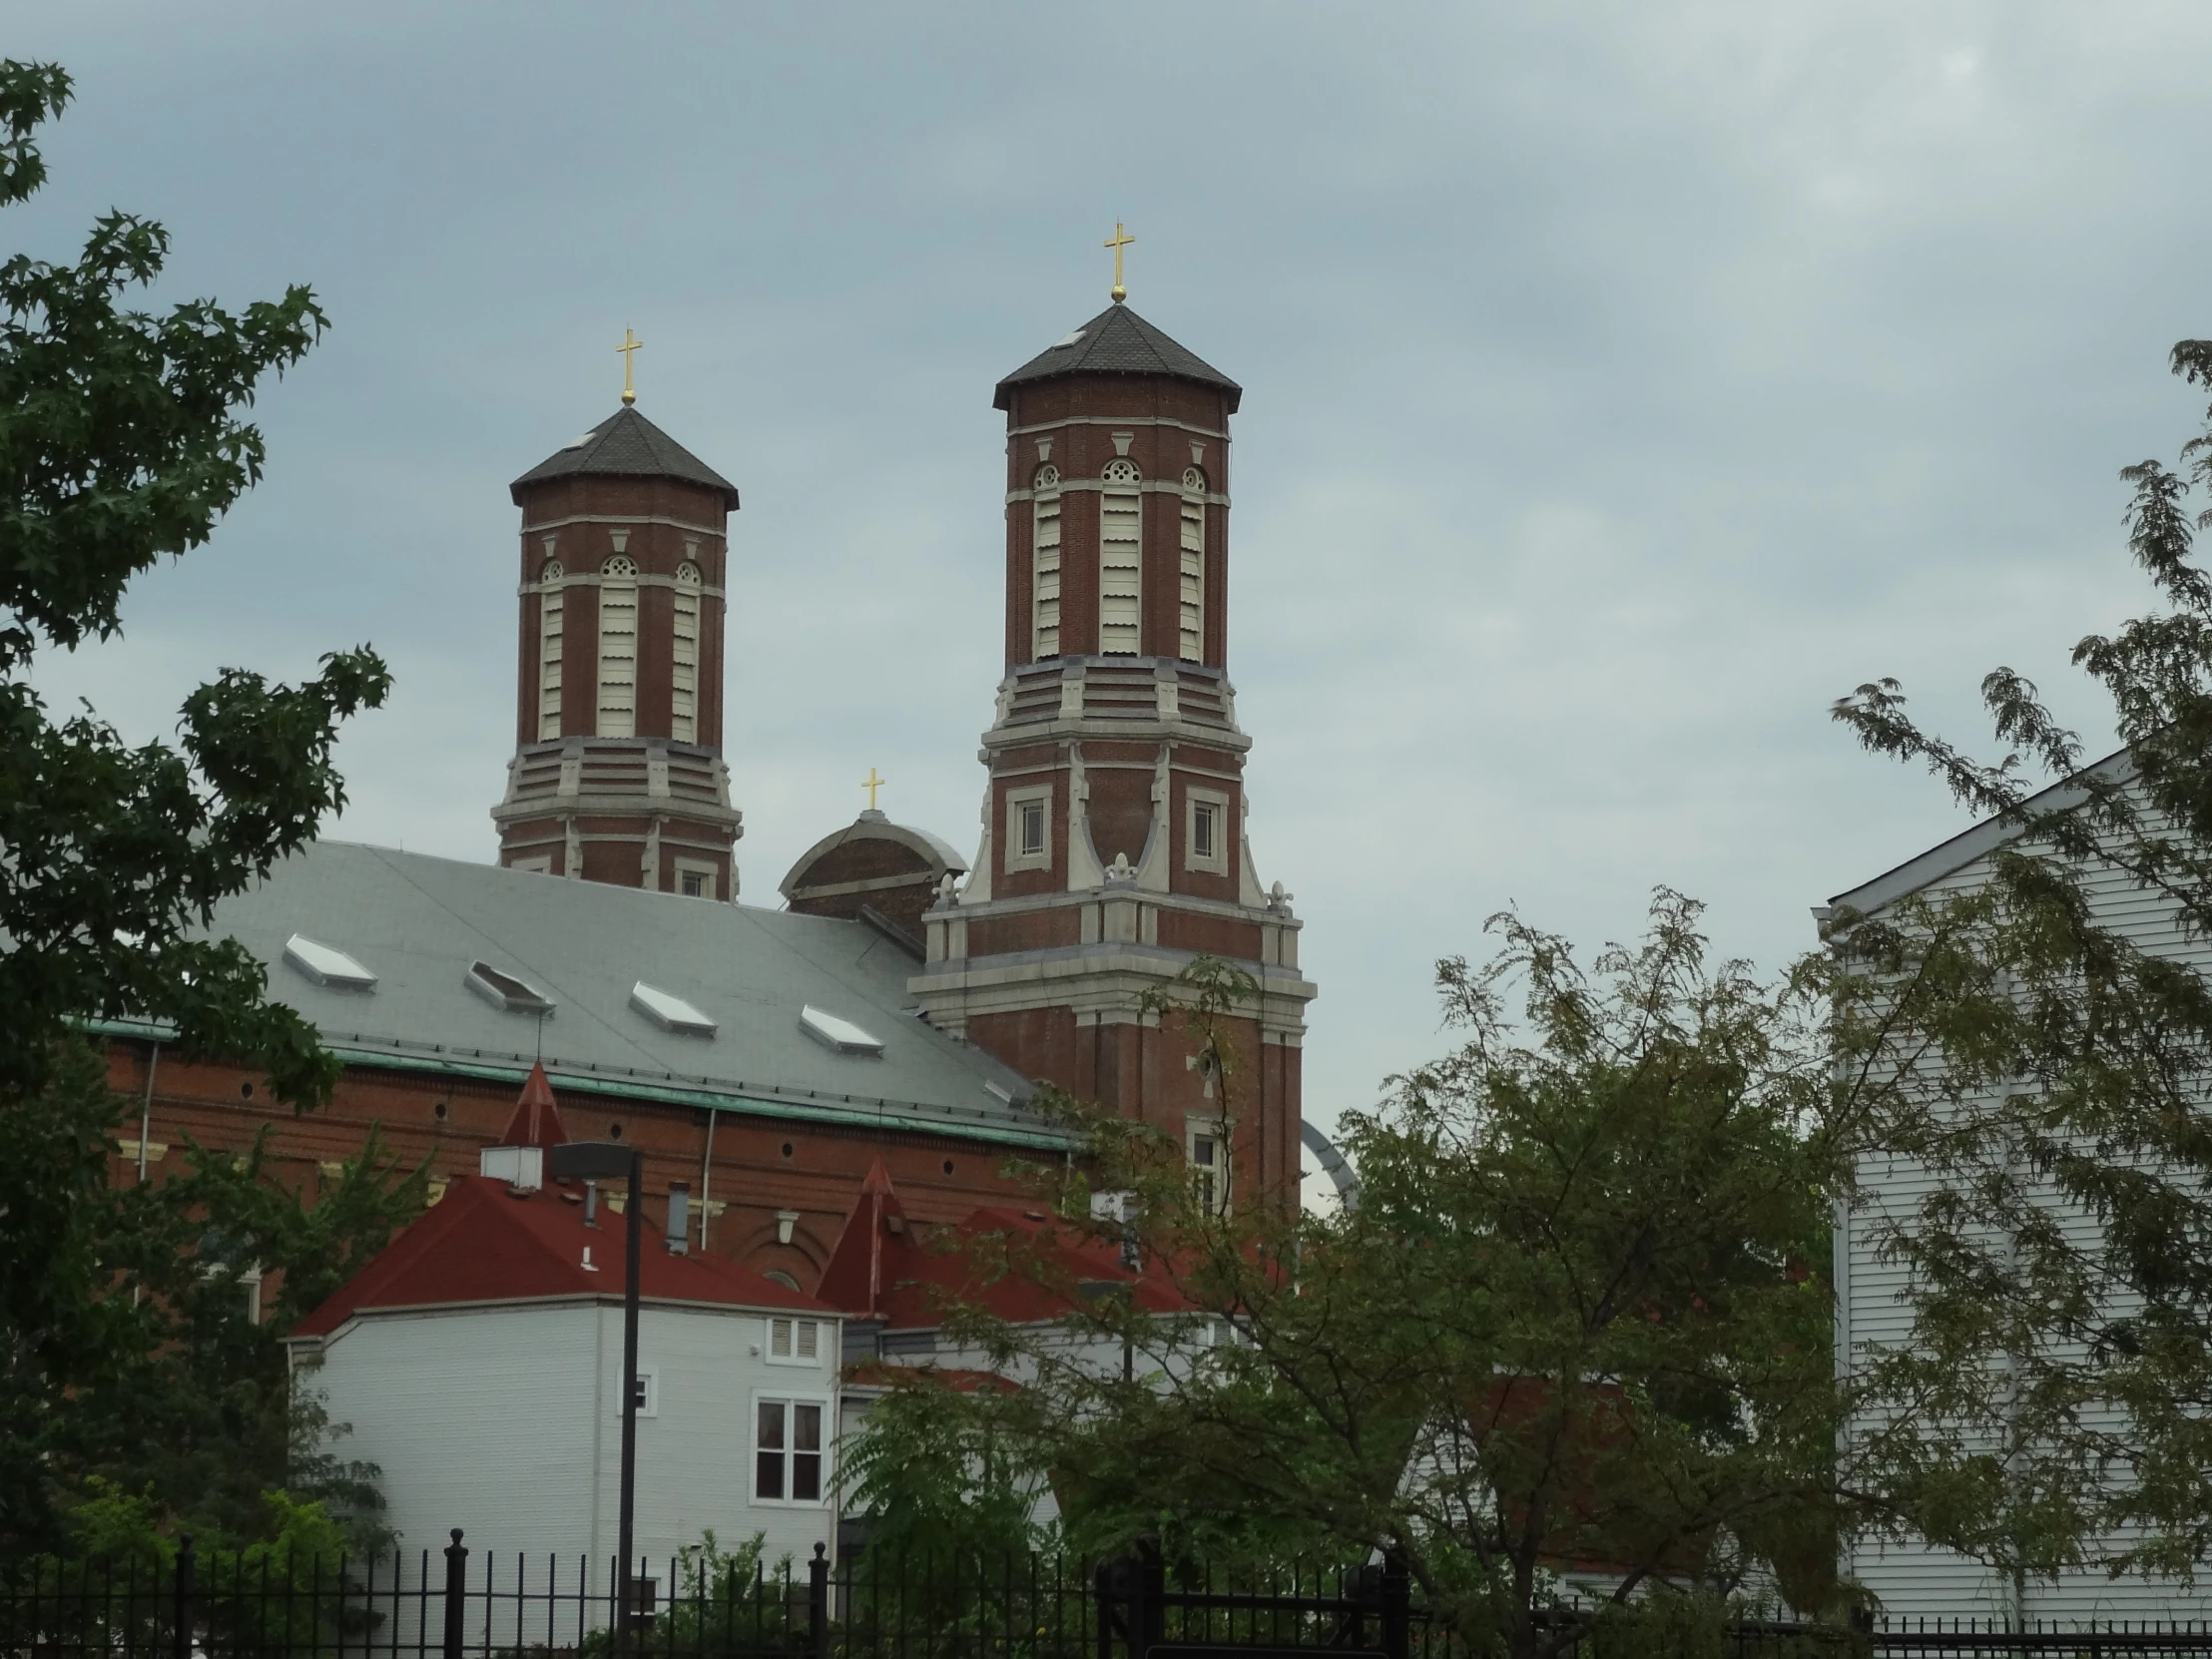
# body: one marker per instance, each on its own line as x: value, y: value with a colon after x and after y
x: 684, y: 657
x: 1190, y: 639
x: 618, y: 648
x: 669, y: 1011
x: 1120, y: 560
x: 1045, y: 569
x: 833, y: 1032
x: 326, y: 964
x: 550, y: 604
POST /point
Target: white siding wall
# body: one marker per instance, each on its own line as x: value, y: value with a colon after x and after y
x: 1874, y: 1311
x: 506, y: 1421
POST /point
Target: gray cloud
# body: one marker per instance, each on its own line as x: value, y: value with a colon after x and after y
x: 1625, y: 381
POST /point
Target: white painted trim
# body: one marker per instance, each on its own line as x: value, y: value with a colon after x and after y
x: 628, y: 519
x: 791, y: 1427
x: 1116, y: 421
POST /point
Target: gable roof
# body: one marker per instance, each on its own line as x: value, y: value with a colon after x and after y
x: 880, y: 1268
x: 537, y: 1116
x: 1118, y: 341
x: 626, y: 445
x: 485, y: 1242
x: 419, y: 924
x: 1946, y: 858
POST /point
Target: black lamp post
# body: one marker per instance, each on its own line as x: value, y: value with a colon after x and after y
x: 611, y: 1160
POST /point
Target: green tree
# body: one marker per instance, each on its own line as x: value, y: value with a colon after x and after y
x: 1578, y: 1315
x: 159, y: 1381
x: 2045, y: 1033
x: 121, y: 439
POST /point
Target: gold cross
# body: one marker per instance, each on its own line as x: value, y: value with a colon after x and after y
x: 630, y: 343
x: 871, y: 783
x: 1121, y: 238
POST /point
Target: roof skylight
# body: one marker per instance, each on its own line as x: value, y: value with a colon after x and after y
x: 840, y: 1034
x: 1070, y: 340
x: 669, y: 1011
x: 326, y: 964
x: 505, y: 990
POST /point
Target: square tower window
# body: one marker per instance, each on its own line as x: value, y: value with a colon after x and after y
x: 1029, y: 829
x: 1206, y: 831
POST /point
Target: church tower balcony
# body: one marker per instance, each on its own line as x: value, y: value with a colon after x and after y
x: 1114, y: 849
x: 617, y: 772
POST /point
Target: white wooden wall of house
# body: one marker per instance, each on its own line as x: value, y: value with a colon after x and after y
x: 1911, y: 1577
x: 506, y: 1421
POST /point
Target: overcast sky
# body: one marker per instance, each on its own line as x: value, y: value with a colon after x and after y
x: 1623, y: 384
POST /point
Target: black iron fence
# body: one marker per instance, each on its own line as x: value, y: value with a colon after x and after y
x: 708, y: 1604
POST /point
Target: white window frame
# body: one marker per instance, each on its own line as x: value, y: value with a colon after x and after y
x: 539, y: 864
x: 1044, y: 565
x: 687, y: 606
x: 1215, y: 864
x: 552, y: 617
x: 699, y: 867
x: 616, y: 694
x: 649, y: 1405
x: 820, y: 1329
x: 1016, y: 799
x: 1196, y: 1127
x: 1121, y: 490
x: 1190, y: 618
x: 789, y: 1400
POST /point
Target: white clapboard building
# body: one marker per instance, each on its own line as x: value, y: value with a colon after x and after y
x: 477, y: 1362
x: 1874, y: 1309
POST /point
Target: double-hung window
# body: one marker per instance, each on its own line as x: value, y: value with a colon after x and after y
x: 1206, y: 1150
x: 787, y: 1450
x: 794, y: 1342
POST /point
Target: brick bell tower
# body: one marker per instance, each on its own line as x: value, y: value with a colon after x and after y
x: 1114, y: 849
x: 617, y: 773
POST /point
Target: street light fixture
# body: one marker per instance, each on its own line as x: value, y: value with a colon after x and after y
x: 611, y: 1160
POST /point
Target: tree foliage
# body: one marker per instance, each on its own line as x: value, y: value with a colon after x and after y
x: 135, y: 1363
x: 2045, y: 1034
x: 124, y: 1347
x: 1579, y: 1317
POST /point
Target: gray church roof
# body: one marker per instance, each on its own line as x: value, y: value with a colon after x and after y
x: 627, y: 445
x: 1118, y: 341
x: 781, y: 993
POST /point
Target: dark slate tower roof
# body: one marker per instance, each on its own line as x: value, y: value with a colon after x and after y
x: 1118, y: 341
x: 627, y: 445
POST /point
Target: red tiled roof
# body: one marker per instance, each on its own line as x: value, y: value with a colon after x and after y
x: 881, y: 1269
x: 484, y: 1241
